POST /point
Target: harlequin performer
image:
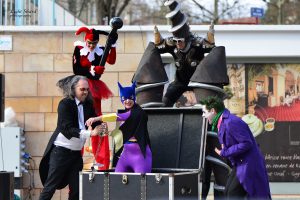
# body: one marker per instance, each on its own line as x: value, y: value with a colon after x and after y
x: 86, y: 59
x: 136, y: 156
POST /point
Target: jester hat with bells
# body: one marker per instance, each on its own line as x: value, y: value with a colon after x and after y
x: 90, y: 34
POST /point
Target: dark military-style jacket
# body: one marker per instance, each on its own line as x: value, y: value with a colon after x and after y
x: 186, y: 60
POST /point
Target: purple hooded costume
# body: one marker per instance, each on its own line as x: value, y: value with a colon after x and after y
x: 242, y: 150
x: 136, y: 155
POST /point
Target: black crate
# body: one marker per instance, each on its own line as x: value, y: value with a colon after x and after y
x: 162, y: 184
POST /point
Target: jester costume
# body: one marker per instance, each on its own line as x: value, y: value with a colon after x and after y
x: 136, y: 156
x: 86, y: 63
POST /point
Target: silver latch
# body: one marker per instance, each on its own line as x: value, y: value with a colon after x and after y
x: 158, y: 178
x: 124, y: 179
x: 92, y: 175
x: 186, y: 191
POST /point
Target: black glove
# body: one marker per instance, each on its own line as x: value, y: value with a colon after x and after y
x: 113, y: 38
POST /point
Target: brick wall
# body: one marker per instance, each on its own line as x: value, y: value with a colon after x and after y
x: 37, y: 62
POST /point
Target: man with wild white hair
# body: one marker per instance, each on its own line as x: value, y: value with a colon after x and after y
x: 62, y: 159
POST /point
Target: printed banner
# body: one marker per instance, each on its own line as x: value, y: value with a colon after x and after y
x: 267, y: 98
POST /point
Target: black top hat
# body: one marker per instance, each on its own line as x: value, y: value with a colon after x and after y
x: 180, y: 27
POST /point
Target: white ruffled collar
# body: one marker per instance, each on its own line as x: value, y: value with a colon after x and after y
x: 85, y: 50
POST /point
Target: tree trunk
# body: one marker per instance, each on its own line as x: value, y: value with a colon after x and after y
x: 101, y: 12
x: 216, y: 12
x: 72, y: 6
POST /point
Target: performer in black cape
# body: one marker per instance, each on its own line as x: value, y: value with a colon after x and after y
x: 136, y: 155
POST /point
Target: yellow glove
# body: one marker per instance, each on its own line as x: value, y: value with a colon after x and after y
x: 109, y: 117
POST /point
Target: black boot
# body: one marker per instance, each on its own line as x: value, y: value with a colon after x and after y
x: 167, y: 102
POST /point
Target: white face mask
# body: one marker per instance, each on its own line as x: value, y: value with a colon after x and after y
x: 208, y: 114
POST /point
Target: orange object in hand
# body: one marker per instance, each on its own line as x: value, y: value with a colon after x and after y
x: 89, y: 149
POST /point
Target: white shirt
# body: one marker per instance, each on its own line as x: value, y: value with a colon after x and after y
x: 74, y: 143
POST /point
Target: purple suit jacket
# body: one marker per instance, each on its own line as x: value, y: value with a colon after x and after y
x: 242, y: 150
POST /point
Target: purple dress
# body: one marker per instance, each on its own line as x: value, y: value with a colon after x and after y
x: 242, y: 150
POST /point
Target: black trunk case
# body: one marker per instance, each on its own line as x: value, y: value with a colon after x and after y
x: 178, y: 142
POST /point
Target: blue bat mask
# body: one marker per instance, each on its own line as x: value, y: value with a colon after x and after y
x: 127, y: 92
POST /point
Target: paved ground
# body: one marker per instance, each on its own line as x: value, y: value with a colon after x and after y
x: 274, y: 197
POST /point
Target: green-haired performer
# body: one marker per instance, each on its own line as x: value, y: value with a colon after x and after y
x: 249, y: 175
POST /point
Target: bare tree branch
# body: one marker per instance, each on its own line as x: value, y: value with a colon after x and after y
x: 202, y: 7
x: 82, y: 5
x: 228, y: 8
x: 121, y: 9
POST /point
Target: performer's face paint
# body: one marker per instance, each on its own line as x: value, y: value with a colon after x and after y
x: 81, y: 90
x: 128, y: 103
x: 91, y: 44
x: 127, y: 95
x: 180, y: 43
x: 208, y: 114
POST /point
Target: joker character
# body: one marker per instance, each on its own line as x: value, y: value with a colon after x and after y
x: 248, y: 178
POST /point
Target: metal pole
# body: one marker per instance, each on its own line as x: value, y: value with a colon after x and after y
x: 53, y: 13
x: 25, y: 8
x: 34, y: 16
x: 1, y: 21
x: 18, y: 19
x: 29, y: 9
x: 5, y: 13
x: 39, y: 12
x: 11, y: 17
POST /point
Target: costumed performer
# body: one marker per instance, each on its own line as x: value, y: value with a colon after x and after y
x: 62, y: 159
x: 86, y: 59
x: 186, y: 48
x: 248, y: 178
x: 136, y: 156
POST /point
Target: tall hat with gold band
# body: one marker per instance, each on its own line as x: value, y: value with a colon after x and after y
x: 180, y: 27
x: 90, y: 34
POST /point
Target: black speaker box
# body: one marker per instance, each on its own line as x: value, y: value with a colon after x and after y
x: 6, y: 185
x: 2, y: 97
x: 176, y: 136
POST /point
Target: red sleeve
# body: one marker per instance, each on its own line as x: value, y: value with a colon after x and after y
x: 111, y: 59
x: 99, y: 69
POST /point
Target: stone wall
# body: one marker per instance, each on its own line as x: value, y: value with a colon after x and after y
x: 38, y: 60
